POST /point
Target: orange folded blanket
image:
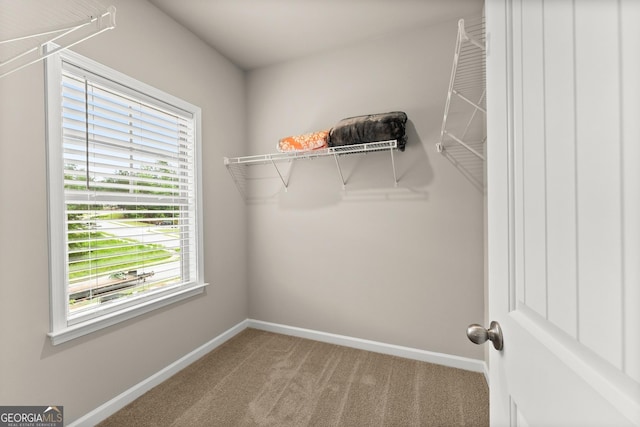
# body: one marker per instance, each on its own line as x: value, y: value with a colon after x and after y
x: 305, y: 142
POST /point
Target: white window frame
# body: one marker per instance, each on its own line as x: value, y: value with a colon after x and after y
x: 62, y: 329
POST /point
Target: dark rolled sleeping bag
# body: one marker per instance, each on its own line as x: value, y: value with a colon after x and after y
x: 370, y: 128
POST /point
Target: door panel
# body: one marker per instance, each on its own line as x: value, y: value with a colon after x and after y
x: 630, y: 51
x: 563, y: 210
x: 530, y: 144
x: 560, y: 168
x: 598, y: 123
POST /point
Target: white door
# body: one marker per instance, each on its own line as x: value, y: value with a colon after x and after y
x: 563, y: 168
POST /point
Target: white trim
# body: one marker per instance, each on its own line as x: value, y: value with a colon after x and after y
x: 112, y: 406
x: 485, y: 371
x: 63, y: 326
x: 449, y: 360
x: 95, y: 324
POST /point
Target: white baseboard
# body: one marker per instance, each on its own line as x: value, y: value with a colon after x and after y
x: 485, y: 371
x: 123, y: 399
x: 465, y: 363
x: 112, y: 406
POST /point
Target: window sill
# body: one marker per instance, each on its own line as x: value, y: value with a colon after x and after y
x: 84, y: 328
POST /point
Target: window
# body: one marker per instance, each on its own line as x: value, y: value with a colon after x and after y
x: 124, y: 197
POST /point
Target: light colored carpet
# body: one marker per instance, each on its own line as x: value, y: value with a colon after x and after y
x: 264, y: 379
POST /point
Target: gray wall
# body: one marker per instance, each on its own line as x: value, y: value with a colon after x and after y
x: 397, y: 265
x: 84, y: 373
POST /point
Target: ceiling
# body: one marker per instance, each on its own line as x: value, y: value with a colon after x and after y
x: 258, y: 33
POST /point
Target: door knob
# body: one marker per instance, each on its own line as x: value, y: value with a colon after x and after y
x: 478, y: 334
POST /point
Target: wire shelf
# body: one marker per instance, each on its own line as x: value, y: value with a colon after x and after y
x: 31, y: 30
x: 464, y: 123
x: 237, y: 165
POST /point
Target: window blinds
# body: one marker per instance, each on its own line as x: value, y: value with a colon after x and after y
x: 129, y: 191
